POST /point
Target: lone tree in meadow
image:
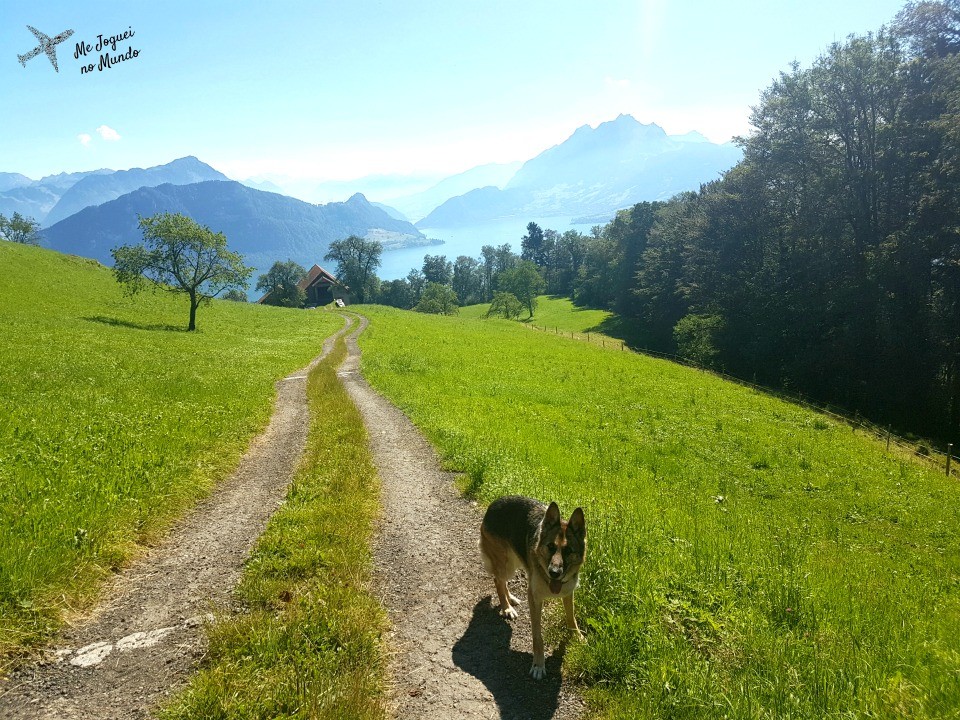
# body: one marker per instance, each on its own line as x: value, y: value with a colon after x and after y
x: 524, y: 282
x: 357, y: 262
x: 20, y: 229
x: 281, y: 283
x: 183, y: 257
x: 506, y: 305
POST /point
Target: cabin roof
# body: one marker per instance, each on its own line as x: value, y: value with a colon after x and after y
x: 317, y: 274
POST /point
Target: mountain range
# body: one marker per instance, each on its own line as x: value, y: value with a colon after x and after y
x: 420, y: 204
x: 263, y: 226
x: 595, y: 171
x: 36, y: 198
x: 102, y: 187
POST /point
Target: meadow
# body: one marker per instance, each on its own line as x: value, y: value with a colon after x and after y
x: 115, y: 420
x: 748, y: 557
x: 554, y: 313
x: 309, y: 644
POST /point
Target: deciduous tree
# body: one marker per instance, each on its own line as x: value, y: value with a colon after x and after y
x: 20, y: 229
x: 183, y: 257
x: 357, y: 262
x: 281, y: 282
x: 438, y: 299
x: 524, y: 282
x: 505, y: 305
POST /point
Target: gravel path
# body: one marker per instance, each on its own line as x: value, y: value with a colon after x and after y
x: 454, y: 656
x: 146, y: 638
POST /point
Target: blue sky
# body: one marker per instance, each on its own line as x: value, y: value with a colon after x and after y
x: 339, y: 90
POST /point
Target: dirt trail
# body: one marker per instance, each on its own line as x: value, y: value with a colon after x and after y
x: 146, y: 638
x: 455, y: 657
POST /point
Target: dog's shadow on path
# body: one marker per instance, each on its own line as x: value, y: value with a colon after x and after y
x: 484, y: 652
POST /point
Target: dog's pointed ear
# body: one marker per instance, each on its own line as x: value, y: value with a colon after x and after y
x: 552, y: 516
x: 578, y: 523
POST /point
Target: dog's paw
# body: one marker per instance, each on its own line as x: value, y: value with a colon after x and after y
x: 513, y: 600
x: 576, y: 635
x: 509, y: 613
x: 537, y: 672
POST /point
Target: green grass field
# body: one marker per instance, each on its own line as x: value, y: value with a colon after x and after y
x: 115, y: 420
x: 559, y: 316
x: 554, y: 313
x: 748, y: 558
x: 309, y: 645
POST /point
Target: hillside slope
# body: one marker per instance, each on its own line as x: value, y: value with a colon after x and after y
x: 114, y: 420
x: 748, y: 557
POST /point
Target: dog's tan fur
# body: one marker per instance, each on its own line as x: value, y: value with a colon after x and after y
x: 519, y: 532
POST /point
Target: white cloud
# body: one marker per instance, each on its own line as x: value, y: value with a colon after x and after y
x: 84, y: 139
x: 108, y: 133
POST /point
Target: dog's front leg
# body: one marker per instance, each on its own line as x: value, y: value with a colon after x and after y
x: 538, y: 669
x: 571, y: 618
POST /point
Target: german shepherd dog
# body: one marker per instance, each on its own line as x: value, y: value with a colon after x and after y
x: 521, y: 532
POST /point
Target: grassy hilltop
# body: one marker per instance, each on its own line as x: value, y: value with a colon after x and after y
x: 748, y: 557
x: 115, y: 420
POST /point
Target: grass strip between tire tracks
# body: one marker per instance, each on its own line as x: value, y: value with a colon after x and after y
x: 307, y: 643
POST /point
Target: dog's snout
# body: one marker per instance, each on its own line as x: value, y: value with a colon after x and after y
x: 556, y: 571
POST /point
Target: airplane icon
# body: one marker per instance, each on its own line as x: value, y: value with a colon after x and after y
x: 46, y: 46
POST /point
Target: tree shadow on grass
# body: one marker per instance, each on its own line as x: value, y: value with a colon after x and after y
x: 618, y: 328
x: 117, y: 322
x: 484, y: 652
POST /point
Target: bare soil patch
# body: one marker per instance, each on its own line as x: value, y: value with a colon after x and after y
x: 146, y: 638
x: 453, y: 655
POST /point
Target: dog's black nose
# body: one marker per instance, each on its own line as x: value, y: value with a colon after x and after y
x: 555, y: 573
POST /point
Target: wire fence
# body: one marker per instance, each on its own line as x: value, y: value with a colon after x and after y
x: 945, y: 461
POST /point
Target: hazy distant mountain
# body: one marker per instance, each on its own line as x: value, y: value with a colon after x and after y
x: 420, y: 204
x: 594, y: 172
x: 35, y: 198
x: 30, y: 201
x: 476, y: 206
x: 98, y: 189
x: 692, y: 136
x: 64, y: 181
x: 391, y: 211
x: 264, y: 185
x: 8, y: 181
x: 264, y: 226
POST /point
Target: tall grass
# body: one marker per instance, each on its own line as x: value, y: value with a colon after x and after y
x: 748, y: 558
x: 309, y: 644
x: 114, y: 420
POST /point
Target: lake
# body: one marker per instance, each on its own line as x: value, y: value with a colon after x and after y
x: 467, y: 240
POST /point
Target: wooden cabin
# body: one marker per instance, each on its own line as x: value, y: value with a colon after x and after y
x: 320, y: 286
